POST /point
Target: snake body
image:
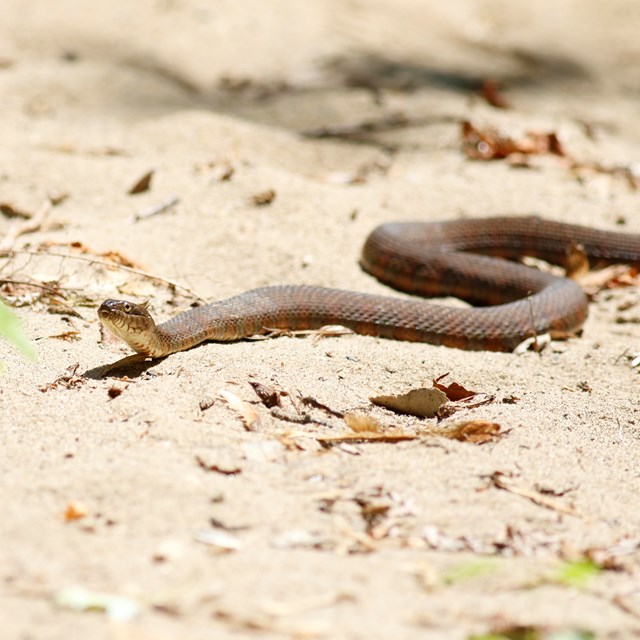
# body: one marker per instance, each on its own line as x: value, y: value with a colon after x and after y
x: 422, y: 258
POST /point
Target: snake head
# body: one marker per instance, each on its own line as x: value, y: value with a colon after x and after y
x: 128, y: 321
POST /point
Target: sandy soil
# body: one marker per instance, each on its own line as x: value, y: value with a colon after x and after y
x: 150, y: 488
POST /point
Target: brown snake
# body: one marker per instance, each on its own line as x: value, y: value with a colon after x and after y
x: 422, y: 258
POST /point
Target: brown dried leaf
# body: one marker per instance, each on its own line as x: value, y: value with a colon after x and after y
x: 12, y: 211
x: 474, y: 431
x: 248, y: 415
x: 453, y: 391
x: 68, y: 380
x: 269, y: 396
x: 142, y: 184
x: 361, y: 422
x: 423, y: 402
x: 489, y: 144
x: 109, y: 256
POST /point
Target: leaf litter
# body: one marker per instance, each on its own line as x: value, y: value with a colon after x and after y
x: 489, y: 144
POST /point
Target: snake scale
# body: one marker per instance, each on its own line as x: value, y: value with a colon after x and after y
x: 452, y: 258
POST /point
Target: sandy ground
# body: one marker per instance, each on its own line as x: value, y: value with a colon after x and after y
x: 150, y: 489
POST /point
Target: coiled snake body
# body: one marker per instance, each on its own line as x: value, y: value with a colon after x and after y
x: 422, y: 258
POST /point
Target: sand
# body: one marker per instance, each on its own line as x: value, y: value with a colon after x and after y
x: 205, y: 521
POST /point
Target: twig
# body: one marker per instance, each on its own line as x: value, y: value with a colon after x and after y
x: 45, y: 286
x: 108, y: 265
x: 156, y: 209
x: 18, y: 229
x: 536, y: 346
x: 500, y: 482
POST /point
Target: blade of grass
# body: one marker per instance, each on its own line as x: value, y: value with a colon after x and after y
x: 11, y: 330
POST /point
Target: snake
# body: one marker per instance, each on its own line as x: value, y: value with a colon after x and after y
x: 476, y: 260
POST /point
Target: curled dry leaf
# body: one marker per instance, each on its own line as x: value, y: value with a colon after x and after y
x: 423, y: 402
x: 453, y: 391
x: 248, y: 415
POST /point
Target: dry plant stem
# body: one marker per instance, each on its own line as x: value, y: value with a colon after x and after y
x: 157, y: 209
x: 18, y: 229
x: 107, y: 265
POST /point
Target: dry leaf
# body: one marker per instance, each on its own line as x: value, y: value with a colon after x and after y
x: 75, y: 511
x: 475, y: 431
x: 423, y: 402
x: 68, y: 380
x: 453, y: 391
x: 142, y: 184
x: 361, y: 422
x: 489, y: 144
x: 12, y: 211
x: 248, y: 415
x: 269, y: 396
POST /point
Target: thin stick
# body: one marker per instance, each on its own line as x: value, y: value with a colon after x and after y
x: 18, y: 229
x: 108, y: 265
x: 536, y: 346
x: 156, y: 209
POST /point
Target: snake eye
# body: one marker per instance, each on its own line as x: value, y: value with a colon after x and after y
x: 127, y: 307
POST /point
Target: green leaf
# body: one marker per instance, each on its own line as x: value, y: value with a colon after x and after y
x: 11, y: 330
x: 577, y: 573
